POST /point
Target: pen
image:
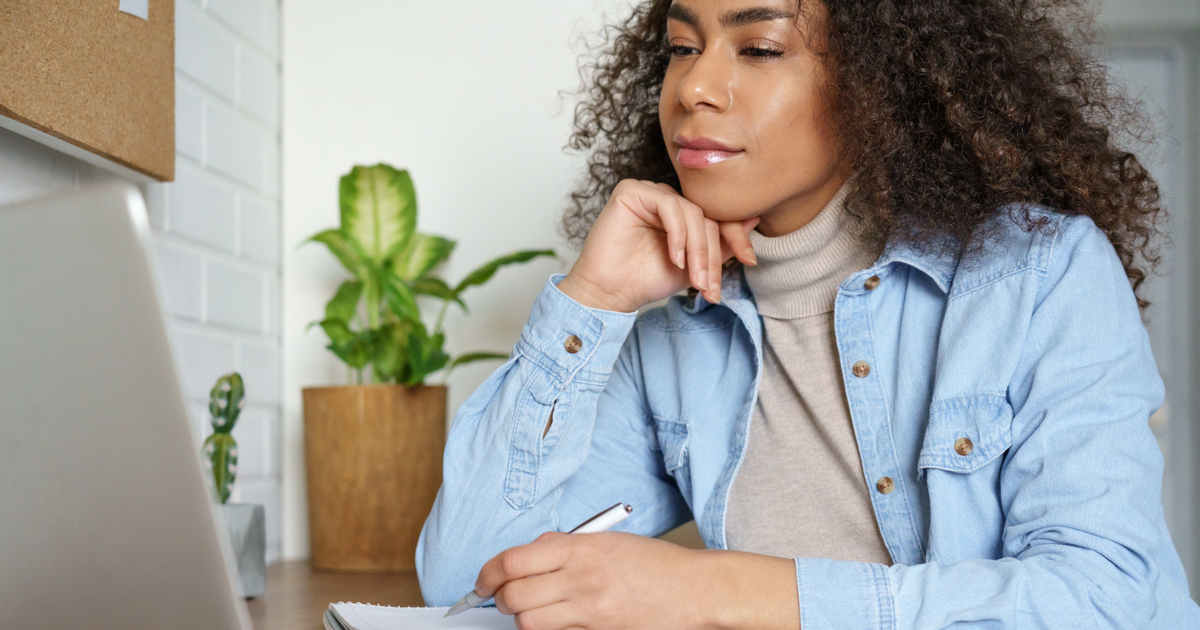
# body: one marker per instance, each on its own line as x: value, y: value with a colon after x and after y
x: 597, y: 523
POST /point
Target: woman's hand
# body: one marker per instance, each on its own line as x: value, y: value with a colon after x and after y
x: 649, y: 242
x: 612, y: 581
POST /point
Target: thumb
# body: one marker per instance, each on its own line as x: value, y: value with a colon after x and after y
x: 550, y: 536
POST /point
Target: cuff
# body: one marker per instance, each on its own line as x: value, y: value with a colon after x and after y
x: 556, y: 318
x: 844, y: 595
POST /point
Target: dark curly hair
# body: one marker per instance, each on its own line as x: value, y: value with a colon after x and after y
x: 946, y: 110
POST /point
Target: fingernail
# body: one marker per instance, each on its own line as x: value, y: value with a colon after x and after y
x: 679, y: 259
x: 752, y: 257
x: 704, y: 278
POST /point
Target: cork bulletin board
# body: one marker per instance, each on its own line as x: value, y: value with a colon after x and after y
x: 97, y: 78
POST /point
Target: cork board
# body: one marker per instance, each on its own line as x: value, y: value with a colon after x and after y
x: 94, y: 77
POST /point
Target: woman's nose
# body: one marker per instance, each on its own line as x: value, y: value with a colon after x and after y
x: 707, y: 86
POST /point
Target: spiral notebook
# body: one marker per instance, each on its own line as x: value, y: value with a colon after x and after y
x: 347, y: 616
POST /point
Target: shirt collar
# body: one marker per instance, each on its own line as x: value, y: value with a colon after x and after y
x: 939, y: 264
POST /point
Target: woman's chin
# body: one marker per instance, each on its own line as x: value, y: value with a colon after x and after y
x: 721, y: 204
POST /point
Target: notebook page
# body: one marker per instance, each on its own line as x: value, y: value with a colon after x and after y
x: 369, y: 617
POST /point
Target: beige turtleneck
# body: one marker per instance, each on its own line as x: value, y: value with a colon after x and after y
x: 800, y: 491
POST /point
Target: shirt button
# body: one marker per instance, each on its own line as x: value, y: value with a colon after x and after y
x: 871, y: 283
x: 861, y: 369
x: 573, y: 344
x: 963, y: 446
x: 885, y: 485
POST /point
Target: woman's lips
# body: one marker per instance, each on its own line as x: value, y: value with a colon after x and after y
x: 701, y: 152
x: 696, y: 158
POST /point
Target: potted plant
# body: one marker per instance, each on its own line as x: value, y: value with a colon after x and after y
x: 245, y: 521
x: 373, y: 452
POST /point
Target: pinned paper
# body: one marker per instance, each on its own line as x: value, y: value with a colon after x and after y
x: 140, y: 8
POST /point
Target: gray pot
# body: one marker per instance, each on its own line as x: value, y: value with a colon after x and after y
x: 248, y: 538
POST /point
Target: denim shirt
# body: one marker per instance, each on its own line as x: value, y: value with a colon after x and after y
x: 1000, y: 405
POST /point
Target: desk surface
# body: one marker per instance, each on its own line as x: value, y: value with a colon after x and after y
x: 297, y: 596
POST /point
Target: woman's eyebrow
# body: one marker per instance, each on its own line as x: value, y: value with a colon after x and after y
x: 730, y: 19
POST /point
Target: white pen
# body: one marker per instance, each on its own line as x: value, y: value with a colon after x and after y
x: 597, y: 523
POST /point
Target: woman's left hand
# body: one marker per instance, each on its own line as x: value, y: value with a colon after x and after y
x: 615, y: 580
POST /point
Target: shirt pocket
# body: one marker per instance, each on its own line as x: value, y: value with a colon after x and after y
x: 671, y: 437
x: 965, y: 433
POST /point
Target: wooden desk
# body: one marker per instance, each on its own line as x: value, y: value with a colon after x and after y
x: 297, y: 596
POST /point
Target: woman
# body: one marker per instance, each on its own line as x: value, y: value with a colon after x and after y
x: 918, y: 398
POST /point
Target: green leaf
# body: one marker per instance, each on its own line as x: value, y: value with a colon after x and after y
x: 485, y: 273
x: 379, y: 210
x: 472, y: 357
x: 389, y: 354
x: 345, y: 302
x: 355, y: 354
x: 438, y: 288
x: 224, y: 400
x: 422, y: 254
x: 425, y: 354
x: 348, y: 345
x: 400, y: 298
x: 347, y: 252
x: 374, y: 289
x: 219, y: 450
x: 338, y: 331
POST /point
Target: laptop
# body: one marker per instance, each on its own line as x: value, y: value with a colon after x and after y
x: 105, y: 517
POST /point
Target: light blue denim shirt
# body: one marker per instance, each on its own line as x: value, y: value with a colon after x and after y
x: 1035, y: 353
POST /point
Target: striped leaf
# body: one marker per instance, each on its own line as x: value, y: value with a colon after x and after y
x: 422, y: 254
x: 400, y: 298
x: 346, y: 251
x: 379, y: 210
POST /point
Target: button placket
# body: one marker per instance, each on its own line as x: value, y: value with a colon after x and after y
x: 894, y: 508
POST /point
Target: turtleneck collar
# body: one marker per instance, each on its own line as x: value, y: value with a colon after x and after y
x: 798, y: 273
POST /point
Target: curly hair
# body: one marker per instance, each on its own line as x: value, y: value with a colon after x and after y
x: 947, y: 111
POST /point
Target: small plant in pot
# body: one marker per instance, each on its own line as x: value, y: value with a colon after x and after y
x: 245, y: 522
x: 373, y: 451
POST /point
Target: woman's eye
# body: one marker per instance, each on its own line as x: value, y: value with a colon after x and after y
x: 681, y: 51
x: 756, y: 52
x: 762, y: 52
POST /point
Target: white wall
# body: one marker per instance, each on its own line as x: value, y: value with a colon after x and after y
x: 216, y: 228
x: 1150, y: 13
x: 464, y: 95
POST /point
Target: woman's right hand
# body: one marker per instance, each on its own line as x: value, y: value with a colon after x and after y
x: 648, y: 243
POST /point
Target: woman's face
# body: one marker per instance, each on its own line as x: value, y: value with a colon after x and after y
x: 743, y: 111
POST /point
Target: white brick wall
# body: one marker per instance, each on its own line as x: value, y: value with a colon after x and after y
x: 220, y: 225
x: 216, y: 228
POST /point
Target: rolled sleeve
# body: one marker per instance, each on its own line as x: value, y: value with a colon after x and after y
x: 555, y: 319
x: 503, y: 459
